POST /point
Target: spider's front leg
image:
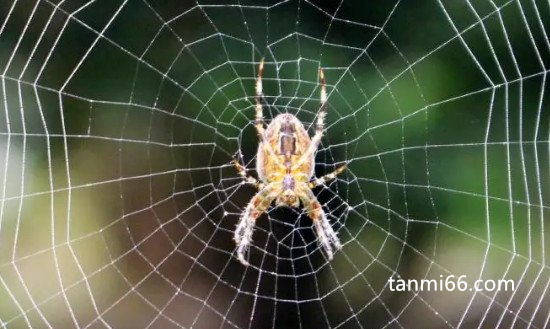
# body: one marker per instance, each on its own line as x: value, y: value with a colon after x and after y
x: 325, y: 234
x: 257, y: 205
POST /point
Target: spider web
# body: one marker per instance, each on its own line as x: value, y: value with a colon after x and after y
x: 119, y: 120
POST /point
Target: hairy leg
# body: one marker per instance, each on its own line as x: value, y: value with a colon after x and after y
x: 259, y: 122
x: 257, y: 205
x: 322, y: 180
x: 242, y: 172
x: 320, y: 124
x: 259, y: 94
x: 325, y: 234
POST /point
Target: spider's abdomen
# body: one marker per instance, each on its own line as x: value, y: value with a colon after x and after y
x: 288, y: 141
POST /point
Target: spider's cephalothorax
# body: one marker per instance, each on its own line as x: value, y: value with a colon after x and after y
x: 285, y: 164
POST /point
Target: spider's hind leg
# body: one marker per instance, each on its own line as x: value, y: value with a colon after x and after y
x: 259, y: 94
x: 320, y: 124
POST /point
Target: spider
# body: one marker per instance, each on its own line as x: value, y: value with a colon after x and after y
x: 285, y: 163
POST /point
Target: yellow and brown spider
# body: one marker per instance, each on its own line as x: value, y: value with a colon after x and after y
x: 285, y: 164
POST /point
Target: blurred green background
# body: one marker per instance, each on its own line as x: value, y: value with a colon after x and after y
x: 119, y: 120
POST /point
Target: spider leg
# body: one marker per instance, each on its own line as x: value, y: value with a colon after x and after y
x: 259, y: 121
x: 322, y: 180
x: 325, y: 234
x: 320, y: 124
x: 242, y: 172
x: 259, y: 95
x: 257, y: 205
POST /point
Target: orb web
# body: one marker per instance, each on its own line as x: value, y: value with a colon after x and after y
x: 119, y: 121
